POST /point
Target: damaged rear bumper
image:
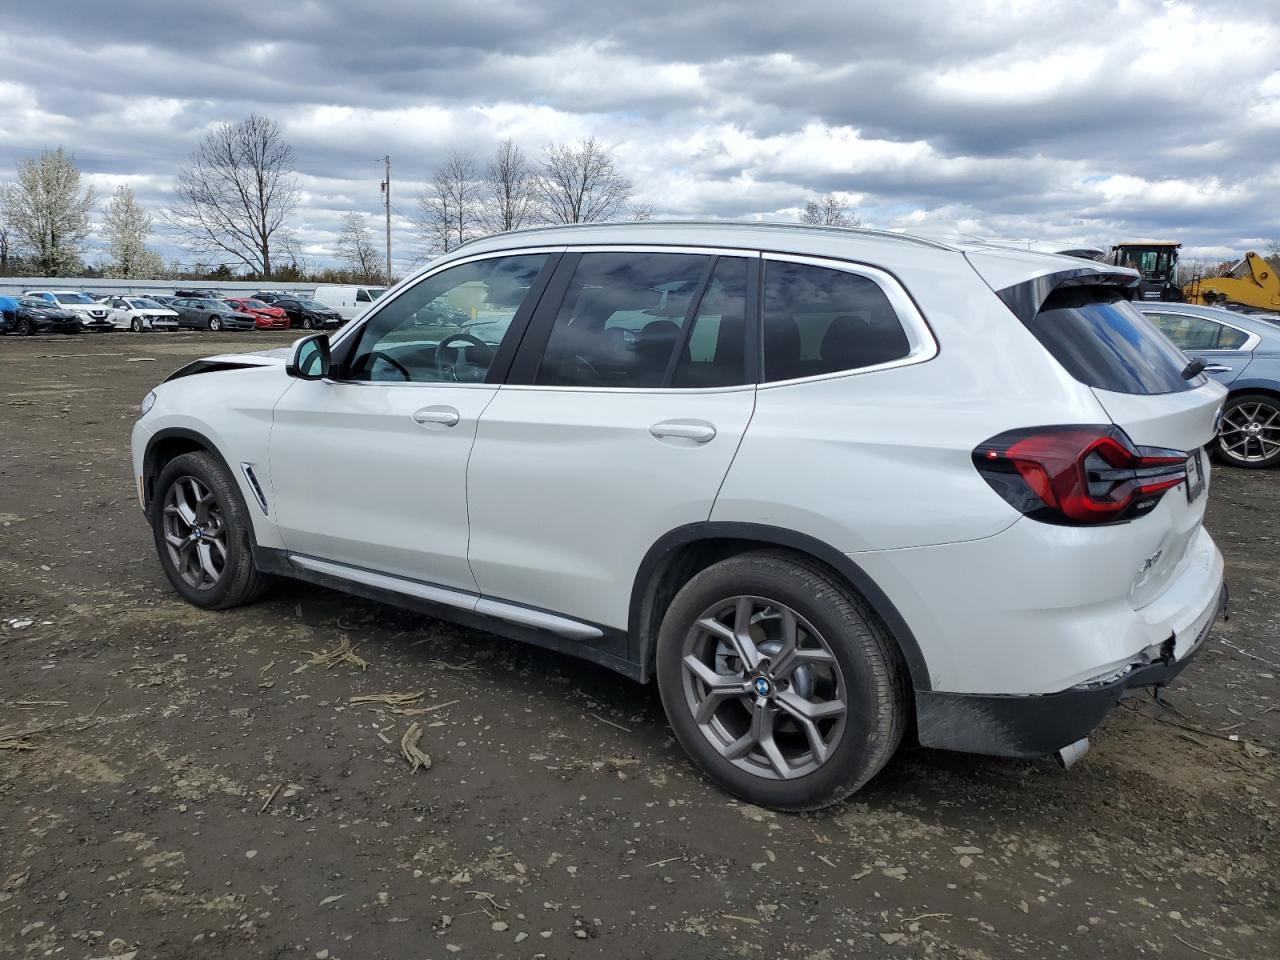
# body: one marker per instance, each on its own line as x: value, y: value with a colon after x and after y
x: 1034, y: 726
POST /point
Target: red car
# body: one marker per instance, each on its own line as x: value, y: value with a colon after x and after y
x: 267, y: 316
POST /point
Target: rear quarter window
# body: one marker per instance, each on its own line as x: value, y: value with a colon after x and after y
x: 1103, y: 341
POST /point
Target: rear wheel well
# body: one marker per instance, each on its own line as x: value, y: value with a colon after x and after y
x: 1240, y: 391
x: 662, y: 577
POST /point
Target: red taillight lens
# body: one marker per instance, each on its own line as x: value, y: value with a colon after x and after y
x: 1078, y: 474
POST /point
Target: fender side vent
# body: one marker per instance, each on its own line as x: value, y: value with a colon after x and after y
x: 255, y: 486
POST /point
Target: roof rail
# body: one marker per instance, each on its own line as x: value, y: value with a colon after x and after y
x: 752, y: 224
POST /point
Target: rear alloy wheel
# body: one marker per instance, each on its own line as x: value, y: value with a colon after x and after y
x: 780, y: 682
x: 1250, y: 433
x: 215, y: 323
x: 202, y: 534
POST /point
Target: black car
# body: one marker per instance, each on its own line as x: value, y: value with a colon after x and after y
x: 202, y: 293
x: 308, y: 314
x: 40, y: 316
x: 205, y: 314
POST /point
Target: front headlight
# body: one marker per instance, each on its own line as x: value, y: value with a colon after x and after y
x: 147, y: 403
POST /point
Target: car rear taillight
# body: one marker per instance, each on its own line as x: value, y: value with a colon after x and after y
x: 1078, y: 474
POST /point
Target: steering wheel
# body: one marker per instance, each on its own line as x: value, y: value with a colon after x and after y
x: 390, y: 360
x: 448, y: 370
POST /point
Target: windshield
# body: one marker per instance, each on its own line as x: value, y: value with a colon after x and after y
x: 73, y: 298
x: 36, y: 302
x: 141, y: 303
x: 253, y: 304
x: 1157, y: 263
x: 312, y: 305
x: 375, y: 292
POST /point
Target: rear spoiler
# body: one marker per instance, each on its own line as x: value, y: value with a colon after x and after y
x: 1026, y: 298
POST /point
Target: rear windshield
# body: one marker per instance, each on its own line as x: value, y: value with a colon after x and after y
x: 1103, y: 341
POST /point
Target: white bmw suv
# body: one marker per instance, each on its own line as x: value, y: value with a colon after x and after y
x: 825, y: 485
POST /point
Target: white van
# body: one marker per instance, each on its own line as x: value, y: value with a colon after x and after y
x: 350, y: 301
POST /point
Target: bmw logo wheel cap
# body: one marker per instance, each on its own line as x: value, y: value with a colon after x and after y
x: 763, y: 686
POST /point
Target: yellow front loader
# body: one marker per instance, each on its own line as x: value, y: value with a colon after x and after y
x: 1250, y: 283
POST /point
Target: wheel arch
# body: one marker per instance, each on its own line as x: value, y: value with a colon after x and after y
x: 685, y: 551
x: 167, y: 444
x: 1252, y: 386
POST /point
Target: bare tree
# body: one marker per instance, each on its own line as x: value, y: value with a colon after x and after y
x: 508, y: 202
x: 640, y: 211
x: 580, y: 183
x: 237, y: 193
x: 6, y: 238
x: 449, y: 205
x: 1273, y: 254
x: 357, y: 251
x: 126, y: 226
x: 47, y: 212
x: 829, y: 210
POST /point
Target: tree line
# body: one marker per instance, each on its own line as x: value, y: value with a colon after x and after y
x: 234, y: 201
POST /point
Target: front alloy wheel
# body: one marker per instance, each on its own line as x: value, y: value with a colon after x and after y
x: 215, y: 324
x: 195, y: 533
x: 136, y: 325
x: 1250, y: 432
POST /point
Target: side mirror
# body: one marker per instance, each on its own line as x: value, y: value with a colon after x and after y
x: 310, y: 359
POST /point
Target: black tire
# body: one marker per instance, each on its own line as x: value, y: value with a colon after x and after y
x: 1249, y: 402
x: 215, y: 323
x: 241, y: 582
x: 136, y: 324
x: 871, y: 665
x: 306, y: 323
x: 23, y: 327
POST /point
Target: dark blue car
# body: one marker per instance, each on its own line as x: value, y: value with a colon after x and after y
x: 1242, y: 352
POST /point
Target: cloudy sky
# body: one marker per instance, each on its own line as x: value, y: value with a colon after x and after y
x: 1076, y: 122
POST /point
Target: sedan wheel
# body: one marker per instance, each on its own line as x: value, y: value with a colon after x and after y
x: 306, y: 323
x: 136, y: 325
x: 23, y: 327
x: 215, y: 323
x: 1250, y: 432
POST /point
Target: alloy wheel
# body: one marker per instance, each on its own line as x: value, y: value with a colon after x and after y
x: 764, y: 687
x: 195, y: 533
x: 23, y: 328
x: 136, y: 325
x: 1250, y: 432
x: 215, y: 323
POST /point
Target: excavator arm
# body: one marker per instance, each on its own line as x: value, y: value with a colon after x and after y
x: 1250, y: 283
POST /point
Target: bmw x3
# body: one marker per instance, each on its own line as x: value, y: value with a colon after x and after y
x: 827, y: 487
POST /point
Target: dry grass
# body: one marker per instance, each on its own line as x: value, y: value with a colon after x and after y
x: 389, y: 699
x: 344, y: 652
x: 409, y: 748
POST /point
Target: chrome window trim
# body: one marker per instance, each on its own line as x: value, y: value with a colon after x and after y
x: 1251, y: 339
x: 923, y: 347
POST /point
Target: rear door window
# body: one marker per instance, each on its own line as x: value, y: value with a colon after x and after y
x: 819, y: 321
x: 1197, y: 333
x: 1103, y: 341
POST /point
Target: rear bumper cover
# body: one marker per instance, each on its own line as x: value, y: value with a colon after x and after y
x: 1034, y: 726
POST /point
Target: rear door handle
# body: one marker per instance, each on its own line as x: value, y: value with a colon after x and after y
x: 1216, y: 368
x: 699, y: 431
x: 436, y: 416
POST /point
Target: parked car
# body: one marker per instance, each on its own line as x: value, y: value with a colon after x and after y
x: 1242, y: 352
x: 163, y: 300
x: 140, y: 313
x: 34, y: 315
x: 204, y: 314
x: 308, y: 314
x: 8, y: 312
x: 199, y: 293
x: 826, y: 486
x: 92, y: 314
x: 267, y: 316
x: 348, y: 300
x: 271, y: 296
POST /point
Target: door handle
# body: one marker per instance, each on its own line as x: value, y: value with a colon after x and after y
x: 1216, y: 368
x: 699, y: 431
x: 439, y: 416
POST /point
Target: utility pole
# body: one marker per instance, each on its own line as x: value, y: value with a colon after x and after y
x: 386, y: 201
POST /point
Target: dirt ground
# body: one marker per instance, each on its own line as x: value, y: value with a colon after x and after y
x: 192, y: 786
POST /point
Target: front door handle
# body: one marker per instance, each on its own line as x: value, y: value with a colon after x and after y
x: 436, y: 416
x: 1216, y: 368
x: 699, y: 431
